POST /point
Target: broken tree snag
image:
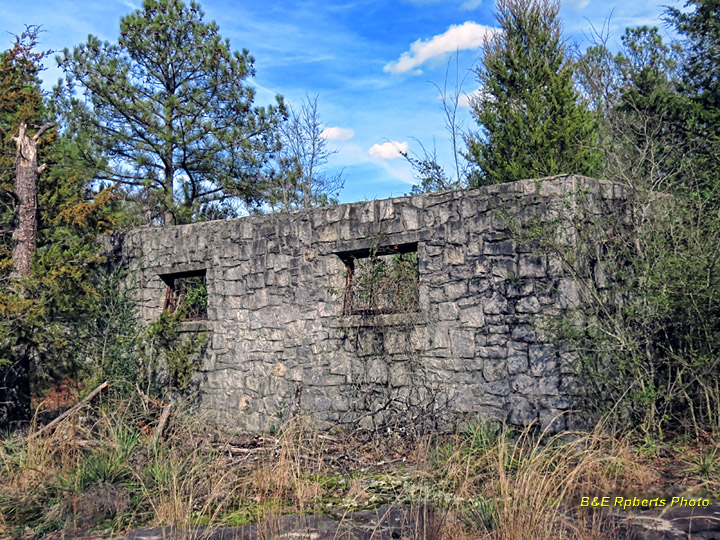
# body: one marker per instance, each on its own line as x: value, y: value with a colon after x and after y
x: 27, y: 173
x: 162, y: 423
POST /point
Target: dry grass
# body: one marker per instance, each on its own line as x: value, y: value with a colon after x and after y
x: 535, y: 475
x: 525, y: 485
x: 101, y: 471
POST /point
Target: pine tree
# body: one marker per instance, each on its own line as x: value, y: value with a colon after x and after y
x: 701, y: 29
x: 533, y: 122
x: 170, y: 112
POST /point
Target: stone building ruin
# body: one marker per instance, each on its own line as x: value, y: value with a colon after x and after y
x: 419, y: 309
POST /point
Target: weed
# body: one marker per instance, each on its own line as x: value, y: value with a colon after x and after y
x: 704, y: 466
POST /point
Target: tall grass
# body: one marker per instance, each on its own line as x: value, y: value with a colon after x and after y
x: 526, y: 485
x: 536, y: 478
x: 101, y: 470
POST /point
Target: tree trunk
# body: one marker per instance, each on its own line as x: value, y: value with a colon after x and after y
x: 169, y: 188
x: 15, y: 390
x: 26, y: 182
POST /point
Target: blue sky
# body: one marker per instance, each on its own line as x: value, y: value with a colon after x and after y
x: 371, y: 62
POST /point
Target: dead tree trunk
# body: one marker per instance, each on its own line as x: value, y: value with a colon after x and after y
x: 27, y: 173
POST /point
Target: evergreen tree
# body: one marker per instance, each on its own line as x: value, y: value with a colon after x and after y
x: 42, y: 298
x: 21, y: 103
x: 533, y: 122
x: 635, y: 94
x: 699, y: 120
x: 701, y: 29
x: 171, y: 114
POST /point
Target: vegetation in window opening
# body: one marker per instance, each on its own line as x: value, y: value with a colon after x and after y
x: 189, y: 296
x: 384, y: 282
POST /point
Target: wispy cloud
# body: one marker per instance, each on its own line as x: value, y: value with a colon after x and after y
x: 469, y: 35
x: 131, y: 5
x: 337, y: 134
x: 388, y: 150
x: 398, y: 171
x: 470, y: 5
x: 576, y: 4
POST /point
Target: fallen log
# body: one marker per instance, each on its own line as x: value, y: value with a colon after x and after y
x: 70, y: 411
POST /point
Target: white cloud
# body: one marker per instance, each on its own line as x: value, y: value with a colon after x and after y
x: 337, y: 134
x: 468, y: 35
x: 353, y: 157
x: 469, y: 5
x: 466, y: 100
x: 388, y: 150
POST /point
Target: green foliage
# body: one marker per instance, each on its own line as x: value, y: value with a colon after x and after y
x: 196, y: 300
x: 533, y: 121
x: 171, y: 115
x: 110, y: 340
x: 650, y: 340
x: 64, y: 289
x: 704, y: 465
x: 641, y: 113
x: 698, y: 121
x: 36, y: 314
x: 172, y: 350
x: 701, y: 29
x: 109, y: 464
x: 190, y: 296
x: 646, y: 333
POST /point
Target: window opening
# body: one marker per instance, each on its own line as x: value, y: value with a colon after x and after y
x: 187, y: 292
x: 381, y: 280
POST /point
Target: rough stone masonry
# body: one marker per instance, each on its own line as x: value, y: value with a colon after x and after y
x: 282, y: 341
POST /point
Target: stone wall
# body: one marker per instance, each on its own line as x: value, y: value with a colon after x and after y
x: 281, y: 344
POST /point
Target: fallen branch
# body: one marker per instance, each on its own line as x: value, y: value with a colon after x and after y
x: 161, y: 423
x: 235, y: 450
x: 143, y: 398
x: 70, y: 411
